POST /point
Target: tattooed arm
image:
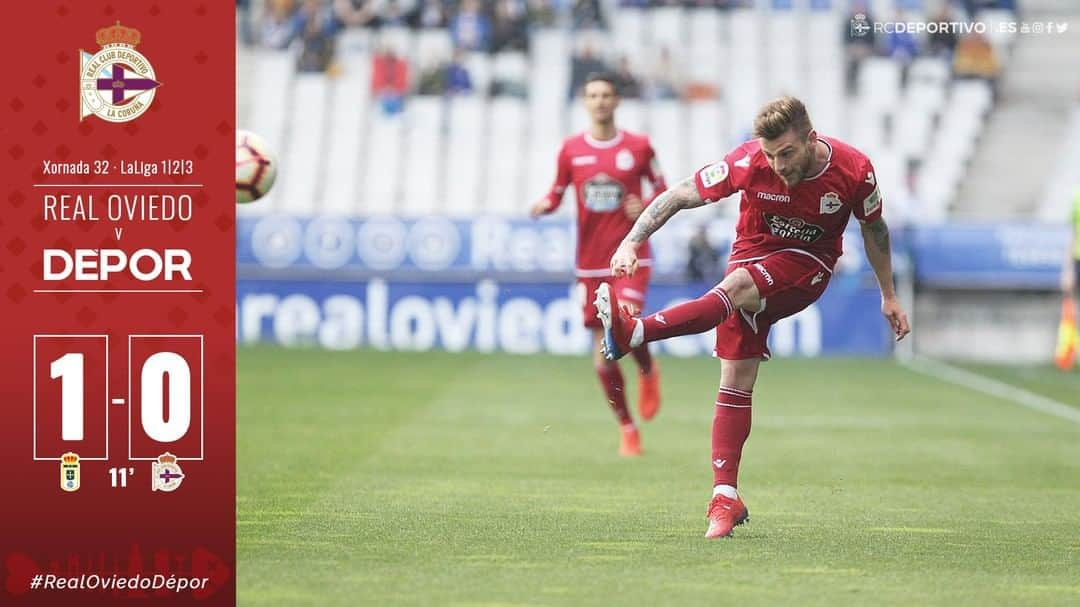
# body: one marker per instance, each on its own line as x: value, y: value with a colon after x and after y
x: 878, y: 252
x: 683, y: 195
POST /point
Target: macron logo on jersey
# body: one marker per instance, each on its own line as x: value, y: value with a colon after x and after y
x: 583, y: 160
x: 744, y: 162
x: 764, y: 274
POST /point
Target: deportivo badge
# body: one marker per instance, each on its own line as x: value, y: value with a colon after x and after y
x: 624, y: 160
x: 69, y: 472
x: 117, y: 84
x: 166, y: 475
x: 831, y: 203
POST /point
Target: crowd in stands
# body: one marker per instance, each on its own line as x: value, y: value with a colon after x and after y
x: 504, y: 26
x: 971, y: 53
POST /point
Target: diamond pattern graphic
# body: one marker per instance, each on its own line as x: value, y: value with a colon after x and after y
x: 16, y: 293
x: 16, y: 246
x: 85, y: 316
x: 178, y: 316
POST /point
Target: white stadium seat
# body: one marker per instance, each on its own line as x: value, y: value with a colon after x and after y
x: 274, y: 72
x: 668, y: 134
x: 381, y: 189
x: 302, y: 163
x: 463, y: 162
x: 504, y: 193
x: 708, y: 138
x: 350, y: 99
x: 423, y: 157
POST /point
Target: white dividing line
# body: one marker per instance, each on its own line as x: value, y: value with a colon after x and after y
x: 118, y: 185
x: 118, y: 290
x: 992, y: 387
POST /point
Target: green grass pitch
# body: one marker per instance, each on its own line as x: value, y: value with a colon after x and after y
x: 374, y: 478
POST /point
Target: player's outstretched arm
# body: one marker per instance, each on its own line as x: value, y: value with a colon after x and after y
x: 879, y: 253
x: 683, y: 196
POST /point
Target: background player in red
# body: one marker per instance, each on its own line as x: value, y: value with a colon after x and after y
x: 606, y: 166
x: 799, y: 190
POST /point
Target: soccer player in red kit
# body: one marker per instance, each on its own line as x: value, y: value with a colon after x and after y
x: 606, y: 166
x: 799, y: 190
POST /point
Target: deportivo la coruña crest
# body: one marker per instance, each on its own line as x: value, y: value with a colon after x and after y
x: 118, y: 83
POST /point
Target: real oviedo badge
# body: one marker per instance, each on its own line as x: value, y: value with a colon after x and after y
x: 69, y: 472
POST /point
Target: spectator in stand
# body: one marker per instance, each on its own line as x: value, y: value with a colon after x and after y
x: 541, y: 13
x: 975, y: 58
x: 858, y: 41
x: 318, y: 25
x: 395, y: 13
x: 702, y: 261
x: 629, y: 85
x: 243, y: 22
x: 432, y: 79
x: 456, y: 77
x: 471, y: 28
x: 389, y: 80
x: 278, y: 27
x: 901, y: 46
x: 666, y: 81
x: 942, y: 42
x: 974, y: 6
x: 432, y: 14
x: 509, y: 28
x: 586, y: 15
x: 356, y: 13
x: 581, y: 65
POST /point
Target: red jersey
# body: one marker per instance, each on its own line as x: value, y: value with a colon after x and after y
x: 809, y: 218
x: 603, y: 173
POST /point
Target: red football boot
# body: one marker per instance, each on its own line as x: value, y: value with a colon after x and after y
x: 724, y: 515
x: 630, y: 443
x: 649, y: 392
x: 618, y: 325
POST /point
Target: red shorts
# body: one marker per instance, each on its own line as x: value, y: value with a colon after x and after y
x: 629, y: 290
x: 788, y: 282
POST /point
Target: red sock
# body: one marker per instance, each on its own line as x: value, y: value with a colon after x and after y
x: 696, y: 316
x: 730, y: 428
x: 643, y: 358
x: 611, y: 380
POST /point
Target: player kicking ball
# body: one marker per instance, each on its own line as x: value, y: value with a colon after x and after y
x: 799, y: 190
x: 606, y: 166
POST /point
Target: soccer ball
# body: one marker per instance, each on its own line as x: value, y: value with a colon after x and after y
x: 256, y: 167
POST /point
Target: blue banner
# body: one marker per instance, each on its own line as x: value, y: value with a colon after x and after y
x: 989, y: 256
x: 518, y: 318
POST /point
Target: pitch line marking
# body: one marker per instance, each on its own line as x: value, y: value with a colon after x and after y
x: 992, y: 387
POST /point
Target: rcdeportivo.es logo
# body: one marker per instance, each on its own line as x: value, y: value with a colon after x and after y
x: 116, y: 84
x: 859, y: 25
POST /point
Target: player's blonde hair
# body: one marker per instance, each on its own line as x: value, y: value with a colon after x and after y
x: 782, y: 114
